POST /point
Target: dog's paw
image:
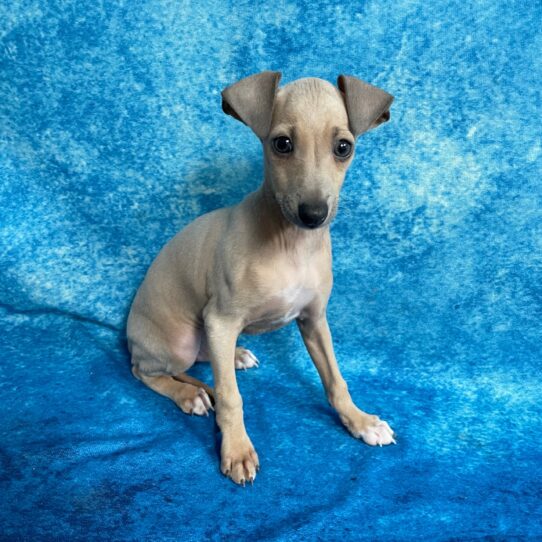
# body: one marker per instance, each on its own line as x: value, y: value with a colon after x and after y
x: 245, y: 359
x: 239, y: 461
x: 199, y: 403
x: 376, y: 432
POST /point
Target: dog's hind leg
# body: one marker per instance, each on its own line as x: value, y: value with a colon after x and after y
x: 188, y: 393
x: 160, y: 360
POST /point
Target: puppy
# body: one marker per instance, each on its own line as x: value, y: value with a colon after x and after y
x: 261, y: 264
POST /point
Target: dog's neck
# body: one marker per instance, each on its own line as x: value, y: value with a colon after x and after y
x: 275, y: 228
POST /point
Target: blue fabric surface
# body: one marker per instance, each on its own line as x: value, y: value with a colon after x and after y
x: 112, y: 139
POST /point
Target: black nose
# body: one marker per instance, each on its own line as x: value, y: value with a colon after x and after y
x: 312, y: 214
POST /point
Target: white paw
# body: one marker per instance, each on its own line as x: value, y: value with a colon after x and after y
x: 199, y: 405
x: 377, y: 433
x: 245, y: 359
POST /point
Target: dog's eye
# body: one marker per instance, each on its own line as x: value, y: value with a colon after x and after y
x: 283, y: 145
x: 343, y: 148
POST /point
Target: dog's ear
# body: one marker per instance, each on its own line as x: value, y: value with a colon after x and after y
x: 251, y: 101
x: 367, y: 106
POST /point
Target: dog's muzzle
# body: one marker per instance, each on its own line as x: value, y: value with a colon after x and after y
x: 313, y: 215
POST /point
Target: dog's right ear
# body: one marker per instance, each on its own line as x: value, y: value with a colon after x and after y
x: 251, y: 101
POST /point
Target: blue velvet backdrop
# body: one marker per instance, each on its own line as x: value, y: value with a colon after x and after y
x: 112, y: 139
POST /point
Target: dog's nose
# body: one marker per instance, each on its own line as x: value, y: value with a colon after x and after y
x: 312, y: 214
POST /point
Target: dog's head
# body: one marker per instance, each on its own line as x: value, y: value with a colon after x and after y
x: 308, y: 130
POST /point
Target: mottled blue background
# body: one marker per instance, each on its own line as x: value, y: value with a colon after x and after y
x: 112, y: 139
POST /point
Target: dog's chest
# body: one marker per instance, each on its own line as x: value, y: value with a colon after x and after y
x: 278, y: 308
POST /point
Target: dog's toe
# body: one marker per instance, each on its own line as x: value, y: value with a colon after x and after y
x: 378, y: 433
x: 240, y: 463
x: 198, y: 405
x: 245, y: 359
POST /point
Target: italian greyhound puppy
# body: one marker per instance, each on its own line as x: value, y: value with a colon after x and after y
x: 257, y: 266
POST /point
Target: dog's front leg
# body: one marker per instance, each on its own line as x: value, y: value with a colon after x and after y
x: 239, y: 460
x: 317, y: 338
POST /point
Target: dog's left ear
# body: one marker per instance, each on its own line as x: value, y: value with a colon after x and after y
x: 251, y: 101
x: 367, y: 106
